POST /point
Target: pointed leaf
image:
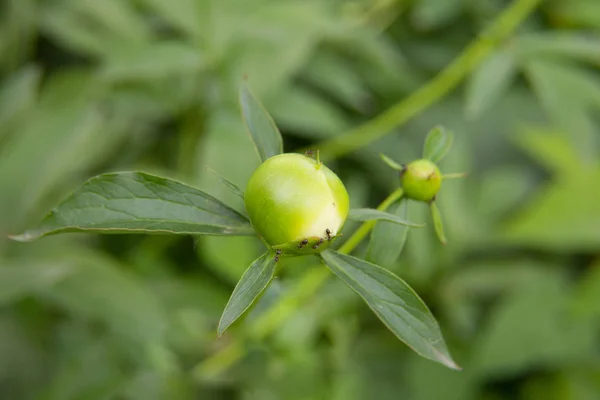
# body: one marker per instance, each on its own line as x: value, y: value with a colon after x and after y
x: 395, y: 303
x: 490, y: 82
x: 370, y: 214
x: 437, y: 143
x: 260, y: 125
x: 250, y: 286
x: 437, y: 222
x: 391, y: 162
x: 232, y: 187
x: 135, y: 202
x: 388, y: 239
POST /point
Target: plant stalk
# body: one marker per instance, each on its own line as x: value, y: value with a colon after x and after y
x: 434, y: 90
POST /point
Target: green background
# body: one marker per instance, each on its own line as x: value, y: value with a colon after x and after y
x: 92, y: 86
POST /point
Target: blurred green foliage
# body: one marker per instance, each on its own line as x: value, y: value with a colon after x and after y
x: 89, y: 86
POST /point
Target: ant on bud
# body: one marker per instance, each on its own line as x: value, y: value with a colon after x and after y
x: 277, y: 254
x: 311, y: 154
x: 328, y: 233
x: 316, y: 246
x: 303, y: 243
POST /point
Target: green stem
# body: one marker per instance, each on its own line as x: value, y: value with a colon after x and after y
x: 435, y: 89
x: 286, y: 306
x: 365, y: 228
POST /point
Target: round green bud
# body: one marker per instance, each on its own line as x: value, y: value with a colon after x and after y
x: 421, y: 180
x: 296, y: 203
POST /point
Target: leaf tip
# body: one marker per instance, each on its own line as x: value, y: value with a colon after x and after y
x: 23, y: 237
x: 221, y: 328
x: 445, y: 358
x: 452, y: 365
x: 390, y: 162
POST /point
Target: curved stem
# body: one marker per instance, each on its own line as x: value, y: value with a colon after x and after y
x: 435, y: 89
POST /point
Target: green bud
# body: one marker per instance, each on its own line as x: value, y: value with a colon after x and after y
x: 296, y: 204
x: 421, y: 180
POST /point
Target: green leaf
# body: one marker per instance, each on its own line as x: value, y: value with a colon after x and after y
x: 260, y: 125
x: 559, y: 44
x: 388, y: 239
x: 551, y: 149
x: 330, y: 73
x: 395, y: 303
x: 152, y: 61
x: 370, y: 214
x: 431, y: 14
x: 101, y: 290
x: 21, y: 280
x: 521, y: 335
x: 563, y: 216
x: 135, y: 202
x: 17, y: 95
x: 250, y: 286
x: 437, y: 222
x: 559, y: 83
x: 580, y: 13
x: 184, y: 14
x: 437, y: 144
x: 393, y: 164
x: 490, y: 82
x: 119, y: 18
x: 307, y: 113
x: 226, y: 183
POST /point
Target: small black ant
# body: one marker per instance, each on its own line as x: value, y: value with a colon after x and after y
x: 403, y: 170
x: 277, y: 253
x: 303, y: 243
x: 328, y: 233
x: 316, y: 246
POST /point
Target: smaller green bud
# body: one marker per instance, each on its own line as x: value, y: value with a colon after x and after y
x: 421, y: 180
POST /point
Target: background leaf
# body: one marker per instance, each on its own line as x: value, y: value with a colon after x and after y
x: 490, y: 81
x: 17, y: 281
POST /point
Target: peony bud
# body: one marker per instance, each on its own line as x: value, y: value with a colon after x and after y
x: 421, y: 180
x: 295, y: 203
